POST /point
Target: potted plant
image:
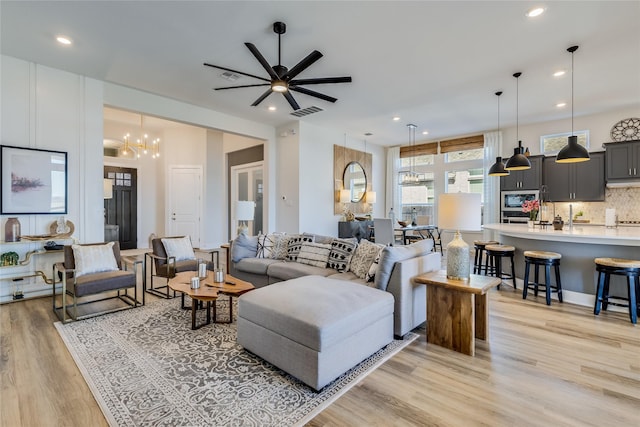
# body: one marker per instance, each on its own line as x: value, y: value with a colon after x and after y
x: 532, y: 207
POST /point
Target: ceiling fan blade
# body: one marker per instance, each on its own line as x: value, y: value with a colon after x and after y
x: 320, y: 81
x: 302, y: 65
x: 238, y: 87
x: 262, y: 98
x: 313, y: 93
x: 261, y: 60
x: 237, y: 72
x: 291, y: 100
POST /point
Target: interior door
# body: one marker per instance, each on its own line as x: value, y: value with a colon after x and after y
x: 122, y: 208
x: 185, y: 202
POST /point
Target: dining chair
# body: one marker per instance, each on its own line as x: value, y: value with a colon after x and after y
x: 383, y: 231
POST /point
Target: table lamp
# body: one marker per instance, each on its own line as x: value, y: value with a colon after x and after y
x: 459, y: 211
x: 244, y: 213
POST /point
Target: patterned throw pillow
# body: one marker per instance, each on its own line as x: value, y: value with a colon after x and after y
x: 365, y: 254
x: 373, y: 269
x: 341, y: 253
x: 315, y: 254
x: 266, y: 244
x: 94, y: 258
x: 280, y: 245
x: 294, y: 244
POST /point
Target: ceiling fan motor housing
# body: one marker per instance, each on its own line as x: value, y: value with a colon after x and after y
x: 279, y: 27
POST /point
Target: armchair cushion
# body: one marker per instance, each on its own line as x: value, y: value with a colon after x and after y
x: 179, y: 247
x: 94, y: 258
x: 104, y: 281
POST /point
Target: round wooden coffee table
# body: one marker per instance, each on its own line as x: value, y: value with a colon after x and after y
x: 207, y: 293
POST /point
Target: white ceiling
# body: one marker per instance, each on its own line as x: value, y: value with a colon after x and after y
x: 435, y: 64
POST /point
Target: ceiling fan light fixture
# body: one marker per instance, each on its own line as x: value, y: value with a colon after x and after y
x: 279, y: 86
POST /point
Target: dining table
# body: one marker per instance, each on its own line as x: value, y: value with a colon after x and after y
x: 424, y: 231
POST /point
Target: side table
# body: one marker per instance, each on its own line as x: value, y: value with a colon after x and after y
x: 457, y: 311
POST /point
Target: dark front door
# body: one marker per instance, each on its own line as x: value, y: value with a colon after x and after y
x: 122, y: 209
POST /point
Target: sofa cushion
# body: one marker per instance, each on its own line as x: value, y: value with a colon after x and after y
x: 349, y: 276
x: 342, y: 251
x: 316, y: 254
x: 91, y: 259
x: 365, y: 254
x: 255, y: 265
x: 319, y: 238
x: 294, y: 245
x: 179, y: 247
x: 244, y: 246
x: 392, y: 254
x: 292, y: 270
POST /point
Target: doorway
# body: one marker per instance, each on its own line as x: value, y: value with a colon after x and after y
x: 184, y: 195
x: 122, y: 208
x: 247, y: 184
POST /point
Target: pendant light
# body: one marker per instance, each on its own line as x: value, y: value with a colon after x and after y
x: 572, y: 152
x: 518, y: 161
x: 498, y: 167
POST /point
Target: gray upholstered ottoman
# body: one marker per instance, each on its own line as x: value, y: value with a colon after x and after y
x: 313, y: 327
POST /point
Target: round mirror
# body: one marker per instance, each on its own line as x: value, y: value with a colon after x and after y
x: 355, y: 180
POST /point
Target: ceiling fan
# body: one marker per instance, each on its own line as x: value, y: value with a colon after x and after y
x: 282, y: 79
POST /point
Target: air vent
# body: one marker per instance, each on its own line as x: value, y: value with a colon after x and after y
x: 232, y: 77
x: 306, y: 111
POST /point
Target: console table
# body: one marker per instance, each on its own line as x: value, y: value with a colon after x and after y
x: 357, y: 229
x: 457, y: 310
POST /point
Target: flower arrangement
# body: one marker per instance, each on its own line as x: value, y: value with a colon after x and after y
x: 532, y: 207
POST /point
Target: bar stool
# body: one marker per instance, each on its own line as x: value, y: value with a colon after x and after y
x: 548, y: 259
x: 479, y: 246
x: 620, y: 267
x: 493, y: 263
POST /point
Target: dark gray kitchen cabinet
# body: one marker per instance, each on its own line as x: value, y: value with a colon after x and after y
x: 623, y: 161
x: 575, y: 182
x: 529, y: 179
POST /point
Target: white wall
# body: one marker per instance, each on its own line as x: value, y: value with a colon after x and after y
x: 287, y: 183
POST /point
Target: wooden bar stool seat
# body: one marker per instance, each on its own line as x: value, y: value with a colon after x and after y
x: 478, y: 260
x: 548, y: 260
x: 620, y: 267
x: 493, y: 262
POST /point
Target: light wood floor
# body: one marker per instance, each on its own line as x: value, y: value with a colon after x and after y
x: 543, y: 366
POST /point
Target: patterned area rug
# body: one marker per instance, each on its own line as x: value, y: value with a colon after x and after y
x: 146, y: 367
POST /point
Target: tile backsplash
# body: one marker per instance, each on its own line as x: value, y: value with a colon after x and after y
x: 626, y: 202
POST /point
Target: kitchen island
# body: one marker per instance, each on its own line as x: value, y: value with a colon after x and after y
x: 579, y: 246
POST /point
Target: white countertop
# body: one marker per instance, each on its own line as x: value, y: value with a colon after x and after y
x: 588, y: 234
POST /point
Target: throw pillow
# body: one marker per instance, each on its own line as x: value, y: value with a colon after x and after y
x: 342, y: 251
x: 280, y: 245
x: 315, y: 254
x: 365, y: 254
x: 94, y: 258
x: 179, y: 247
x: 294, y: 245
x: 266, y: 243
x: 373, y: 269
x: 392, y: 254
x: 244, y: 247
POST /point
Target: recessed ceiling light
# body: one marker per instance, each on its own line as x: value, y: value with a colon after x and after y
x: 536, y: 11
x: 271, y: 108
x: 396, y: 118
x: 63, y: 40
x: 424, y: 132
x: 561, y: 104
x: 559, y: 73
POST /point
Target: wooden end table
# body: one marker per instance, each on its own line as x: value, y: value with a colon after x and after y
x: 457, y: 311
x: 208, y: 292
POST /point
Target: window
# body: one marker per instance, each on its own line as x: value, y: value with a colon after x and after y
x: 460, y: 156
x: 418, y: 198
x: 425, y: 159
x: 552, y: 144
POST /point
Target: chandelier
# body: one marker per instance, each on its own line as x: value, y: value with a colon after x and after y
x: 411, y: 176
x: 141, y: 144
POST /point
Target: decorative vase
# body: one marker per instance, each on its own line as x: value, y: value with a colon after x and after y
x: 12, y: 230
x: 530, y: 223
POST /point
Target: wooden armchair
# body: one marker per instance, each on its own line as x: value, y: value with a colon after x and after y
x: 165, y: 266
x: 92, y: 269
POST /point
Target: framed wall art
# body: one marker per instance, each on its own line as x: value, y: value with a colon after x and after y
x: 34, y: 181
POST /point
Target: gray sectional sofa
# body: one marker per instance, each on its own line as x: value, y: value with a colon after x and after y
x: 396, y: 267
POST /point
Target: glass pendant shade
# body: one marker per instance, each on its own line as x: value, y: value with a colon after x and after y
x: 518, y: 161
x: 497, y: 169
x: 573, y: 152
